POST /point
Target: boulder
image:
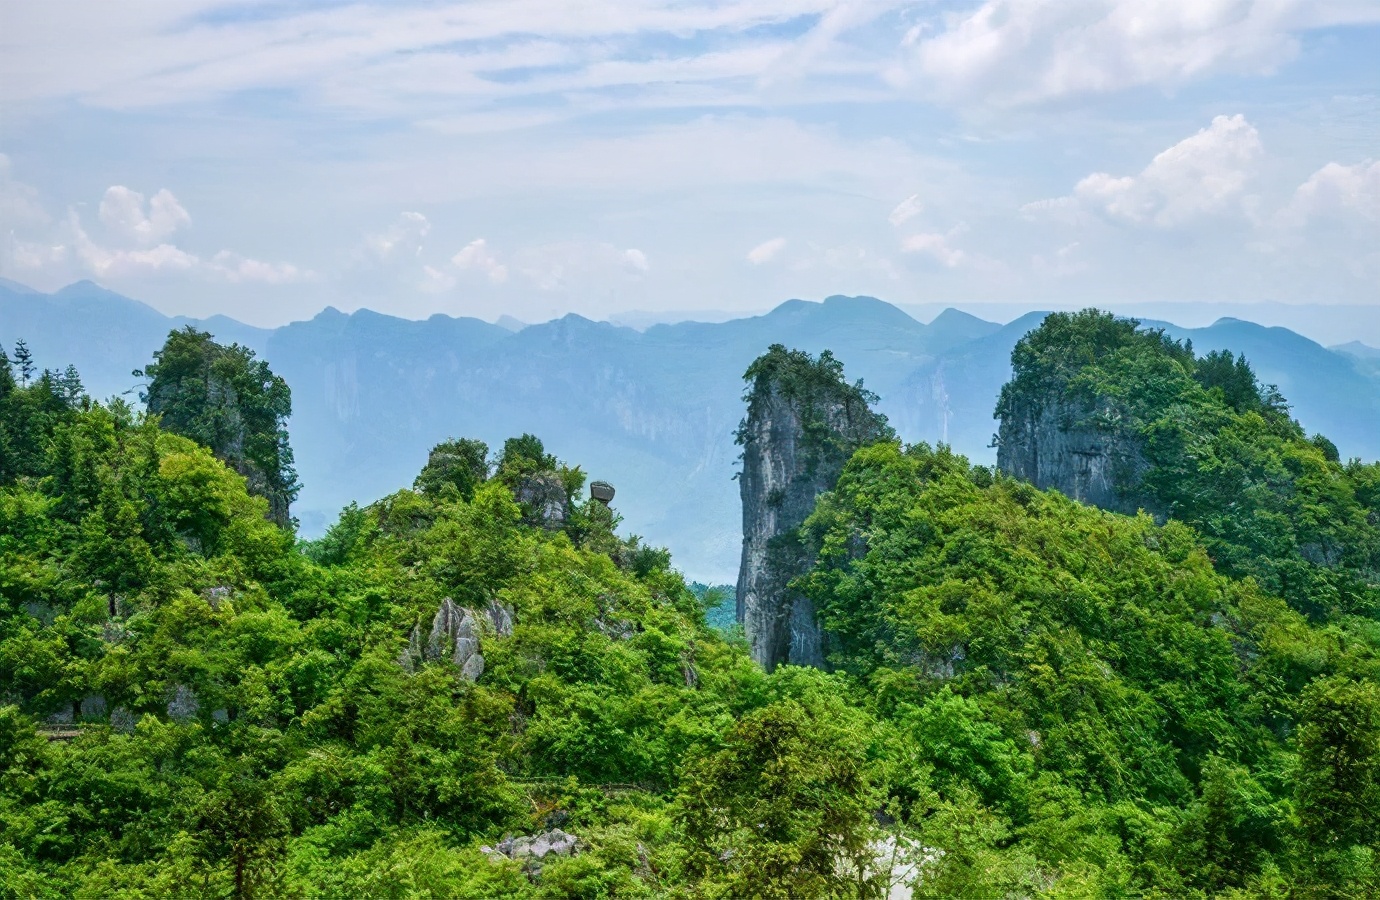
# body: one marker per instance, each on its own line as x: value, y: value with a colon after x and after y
x: 122, y: 720
x: 183, y: 704
x: 533, y: 850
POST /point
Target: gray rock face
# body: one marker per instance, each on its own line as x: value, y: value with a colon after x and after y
x: 215, y: 596
x: 93, y: 706
x: 532, y: 851
x: 183, y: 704
x: 455, y: 637
x: 43, y: 612
x: 122, y: 720
x: 1054, y: 447
x: 544, y: 500
x: 786, y: 465
x: 500, y: 618
x: 63, y: 716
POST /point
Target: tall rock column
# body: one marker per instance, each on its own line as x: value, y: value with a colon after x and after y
x: 803, y: 423
x: 1059, y: 429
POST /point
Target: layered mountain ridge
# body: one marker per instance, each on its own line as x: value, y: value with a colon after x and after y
x: 652, y: 411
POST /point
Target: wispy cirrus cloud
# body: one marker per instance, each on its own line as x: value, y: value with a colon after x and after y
x: 766, y: 251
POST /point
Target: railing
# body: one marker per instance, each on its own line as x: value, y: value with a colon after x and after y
x: 60, y: 732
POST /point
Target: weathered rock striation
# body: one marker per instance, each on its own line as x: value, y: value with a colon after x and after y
x: 803, y: 423
x: 1064, y: 425
x: 455, y: 637
x: 544, y: 499
x: 1054, y: 442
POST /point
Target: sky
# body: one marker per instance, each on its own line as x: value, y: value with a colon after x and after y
x: 536, y: 157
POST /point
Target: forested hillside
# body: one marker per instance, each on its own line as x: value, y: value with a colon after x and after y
x: 475, y: 687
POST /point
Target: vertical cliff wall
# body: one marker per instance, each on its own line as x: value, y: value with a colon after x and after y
x: 803, y: 423
x: 1058, y: 444
x: 1070, y: 419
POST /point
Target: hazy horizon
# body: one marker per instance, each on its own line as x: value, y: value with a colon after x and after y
x: 1326, y: 324
x: 267, y: 160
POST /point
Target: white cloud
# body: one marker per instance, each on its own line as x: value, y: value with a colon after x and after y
x: 477, y: 256
x: 636, y: 260
x: 115, y: 263
x: 400, y: 241
x: 934, y: 245
x: 1202, y: 175
x: 361, y: 53
x: 104, y: 262
x: 1335, y: 190
x: 766, y: 251
x: 237, y: 269
x: 906, y: 210
x: 1022, y: 51
x: 31, y: 255
x: 1067, y: 210
x: 124, y: 212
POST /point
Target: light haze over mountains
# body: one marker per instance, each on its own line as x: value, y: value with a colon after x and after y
x: 529, y: 158
x: 652, y: 411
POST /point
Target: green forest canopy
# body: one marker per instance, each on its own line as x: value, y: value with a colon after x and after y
x: 1030, y: 697
x: 1221, y: 454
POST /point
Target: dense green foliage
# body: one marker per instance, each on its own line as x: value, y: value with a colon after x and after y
x: 1122, y: 715
x: 1030, y: 697
x: 1220, y: 453
x: 225, y: 399
x: 245, y: 728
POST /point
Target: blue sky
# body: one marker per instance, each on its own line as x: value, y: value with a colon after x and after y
x: 533, y: 157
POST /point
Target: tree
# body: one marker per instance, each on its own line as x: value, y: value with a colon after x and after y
x: 1338, y: 791
x: 1222, y: 371
x: 1338, y: 788
x: 224, y: 398
x: 785, y: 809
x: 524, y: 456
x: 463, y: 464
x: 239, y: 823
x: 24, y: 357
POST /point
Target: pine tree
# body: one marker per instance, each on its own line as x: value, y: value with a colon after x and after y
x: 24, y: 357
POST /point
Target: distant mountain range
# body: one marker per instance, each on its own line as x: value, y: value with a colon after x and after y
x: 651, y: 411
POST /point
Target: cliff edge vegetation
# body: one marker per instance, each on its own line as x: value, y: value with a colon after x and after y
x: 1127, y: 418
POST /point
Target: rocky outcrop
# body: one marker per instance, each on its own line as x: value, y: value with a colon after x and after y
x: 1066, y: 446
x: 544, y: 500
x: 183, y: 703
x: 225, y: 399
x: 533, y: 851
x: 803, y: 423
x: 455, y: 637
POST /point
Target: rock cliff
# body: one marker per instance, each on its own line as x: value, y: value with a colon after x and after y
x: 803, y: 423
x: 1071, y: 447
x: 1067, y: 420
